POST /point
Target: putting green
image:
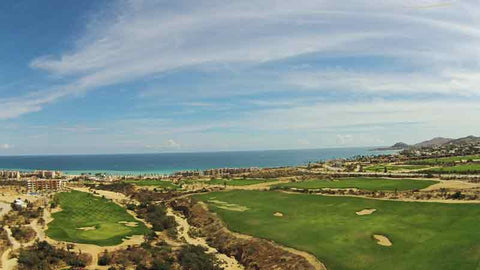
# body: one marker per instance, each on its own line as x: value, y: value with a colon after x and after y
x: 89, y: 219
x: 362, y: 183
x: 423, y: 235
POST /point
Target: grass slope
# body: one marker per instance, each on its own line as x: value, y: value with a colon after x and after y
x: 363, y: 183
x: 425, y: 236
x: 80, y: 209
x: 470, y: 168
x: 440, y: 161
x: 381, y: 168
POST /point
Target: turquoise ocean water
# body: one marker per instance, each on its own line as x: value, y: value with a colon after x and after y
x: 165, y: 163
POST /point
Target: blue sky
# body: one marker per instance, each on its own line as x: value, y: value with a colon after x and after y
x: 156, y: 76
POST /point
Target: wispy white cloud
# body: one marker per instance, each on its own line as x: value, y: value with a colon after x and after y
x: 459, y: 83
x: 433, y: 51
x: 142, y: 38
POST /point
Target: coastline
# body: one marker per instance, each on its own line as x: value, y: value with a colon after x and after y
x: 168, y: 163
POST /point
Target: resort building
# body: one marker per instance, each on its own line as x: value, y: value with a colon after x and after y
x: 47, y: 174
x: 10, y: 174
x: 36, y: 185
x: 229, y: 171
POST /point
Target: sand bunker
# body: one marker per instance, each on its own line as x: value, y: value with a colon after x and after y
x: 228, y: 206
x: 382, y: 240
x: 278, y: 214
x: 365, y: 212
x: 87, y: 228
x: 129, y: 224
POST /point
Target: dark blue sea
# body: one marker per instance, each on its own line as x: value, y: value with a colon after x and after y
x: 165, y: 163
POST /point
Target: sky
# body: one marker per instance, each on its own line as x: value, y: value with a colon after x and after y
x: 140, y: 76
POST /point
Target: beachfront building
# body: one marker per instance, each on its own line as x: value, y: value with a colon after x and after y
x: 229, y: 171
x: 188, y: 173
x: 44, y: 174
x: 45, y: 185
x: 10, y: 174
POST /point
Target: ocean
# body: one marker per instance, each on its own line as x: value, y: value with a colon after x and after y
x: 166, y: 163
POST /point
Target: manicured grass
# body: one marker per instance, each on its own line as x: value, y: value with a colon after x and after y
x: 440, y: 161
x: 155, y: 183
x: 362, y: 183
x: 80, y: 210
x: 239, y: 182
x: 425, y: 236
x: 469, y: 168
x: 381, y: 168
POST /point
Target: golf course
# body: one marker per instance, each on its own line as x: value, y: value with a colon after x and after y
x: 88, y: 219
x: 348, y: 233
x: 362, y: 183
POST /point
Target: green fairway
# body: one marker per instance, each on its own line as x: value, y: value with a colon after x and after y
x: 469, y: 168
x: 239, y: 182
x: 425, y: 236
x: 99, y: 215
x: 362, y: 183
x: 155, y: 183
x: 440, y: 161
x: 381, y: 168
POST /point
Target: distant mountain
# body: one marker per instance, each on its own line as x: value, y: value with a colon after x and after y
x: 434, y: 142
x: 397, y: 146
x: 465, y: 140
x: 438, y: 141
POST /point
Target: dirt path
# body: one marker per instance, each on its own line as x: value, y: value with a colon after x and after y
x: 228, y: 263
x: 12, y: 263
x: 6, y: 263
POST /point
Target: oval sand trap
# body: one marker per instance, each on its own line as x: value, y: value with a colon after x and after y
x: 87, y: 228
x: 129, y: 224
x: 228, y: 206
x: 382, y: 240
x: 365, y: 212
x: 278, y: 214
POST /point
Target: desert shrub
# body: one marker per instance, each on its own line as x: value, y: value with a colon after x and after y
x: 194, y: 258
x: 43, y: 256
x: 23, y: 233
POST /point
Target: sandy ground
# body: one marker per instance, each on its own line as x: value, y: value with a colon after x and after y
x: 4, y: 208
x: 115, y: 196
x: 87, y: 228
x: 365, y: 212
x: 452, y: 184
x: 382, y: 240
x: 129, y: 224
x: 228, y: 263
x: 7, y: 196
x: 229, y: 206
